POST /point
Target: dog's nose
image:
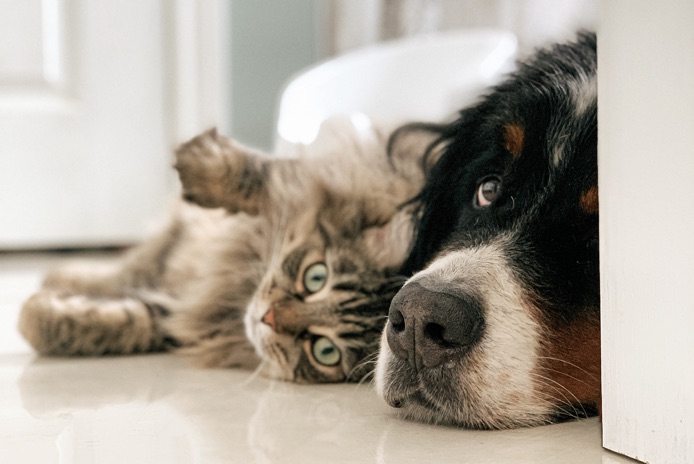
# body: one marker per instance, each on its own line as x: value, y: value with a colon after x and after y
x: 429, y: 328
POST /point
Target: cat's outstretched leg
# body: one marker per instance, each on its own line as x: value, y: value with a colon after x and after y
x: 87, y: 308
x: 56, y: 323
x: 216, y: 171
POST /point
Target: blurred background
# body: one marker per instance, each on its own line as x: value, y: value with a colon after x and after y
x: 94, y: 94
x: 271, y: 41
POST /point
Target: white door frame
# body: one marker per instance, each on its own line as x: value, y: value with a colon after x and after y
x: 646, y: 167
x: 201, y: 65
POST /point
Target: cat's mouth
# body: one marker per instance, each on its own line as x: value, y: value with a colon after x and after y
x: 275, y: 349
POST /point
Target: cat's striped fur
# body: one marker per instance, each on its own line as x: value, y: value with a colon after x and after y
x: 286, y: 262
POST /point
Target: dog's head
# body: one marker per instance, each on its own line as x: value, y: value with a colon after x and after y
x: 501, y: 327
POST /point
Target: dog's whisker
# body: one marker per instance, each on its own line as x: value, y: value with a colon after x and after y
x: 568, y: 363
x: 551, y: 401
x: 548, y: 369
x: 559, y: 388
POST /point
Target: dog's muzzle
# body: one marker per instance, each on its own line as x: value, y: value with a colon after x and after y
x: 430, y: 326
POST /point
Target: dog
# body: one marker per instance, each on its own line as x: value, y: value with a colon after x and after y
x: 500, y: 327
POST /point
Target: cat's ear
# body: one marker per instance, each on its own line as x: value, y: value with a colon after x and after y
x: 414, y: 148
x: 389, y: 244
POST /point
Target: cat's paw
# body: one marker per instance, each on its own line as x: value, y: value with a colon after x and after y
x: 218, y: 172
x: 55, y: 323
x: 203, y: 168
x: 43, y: 322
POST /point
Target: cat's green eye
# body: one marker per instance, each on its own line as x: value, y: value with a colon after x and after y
x: 325, y: 352
x: 315, y: 277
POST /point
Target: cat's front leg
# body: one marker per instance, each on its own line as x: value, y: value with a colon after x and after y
x: 58, y: 323
x: 218, y: 172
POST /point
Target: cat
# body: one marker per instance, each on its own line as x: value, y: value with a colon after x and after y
x: 287, y: 265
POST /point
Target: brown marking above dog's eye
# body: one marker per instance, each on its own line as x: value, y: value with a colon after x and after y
x: 589, y: 200
x: 514, y: 137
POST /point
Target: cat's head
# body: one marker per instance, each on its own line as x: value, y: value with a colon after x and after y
x: 320, y: 308
x: 338, y: 230
x: 341, y: 230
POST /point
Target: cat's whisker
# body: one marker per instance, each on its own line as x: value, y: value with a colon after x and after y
x: 255, y: 373
x: 371, y: 359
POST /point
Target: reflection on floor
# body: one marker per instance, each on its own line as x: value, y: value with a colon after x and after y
x: 156, y: 408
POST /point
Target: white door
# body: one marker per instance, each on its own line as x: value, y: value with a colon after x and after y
x: 94, y: 94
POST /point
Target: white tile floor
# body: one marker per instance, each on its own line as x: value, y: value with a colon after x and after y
x: 157, y: 409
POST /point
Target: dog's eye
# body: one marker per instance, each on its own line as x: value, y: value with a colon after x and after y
x: 487, y: 192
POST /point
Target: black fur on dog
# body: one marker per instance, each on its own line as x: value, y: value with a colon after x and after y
x: 500, y: 328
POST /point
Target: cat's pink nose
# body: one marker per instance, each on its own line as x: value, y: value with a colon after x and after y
x: 269, y: 318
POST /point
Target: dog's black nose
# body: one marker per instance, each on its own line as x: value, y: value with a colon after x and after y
x: 429, y: 328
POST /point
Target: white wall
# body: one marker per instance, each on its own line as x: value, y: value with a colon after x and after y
x: 646, y: 166
x: 269, y: 42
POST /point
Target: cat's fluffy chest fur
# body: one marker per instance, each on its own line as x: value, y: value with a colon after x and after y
x: 290, y: 263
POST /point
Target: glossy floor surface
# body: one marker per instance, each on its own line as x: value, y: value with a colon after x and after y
x: 158, y: 409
